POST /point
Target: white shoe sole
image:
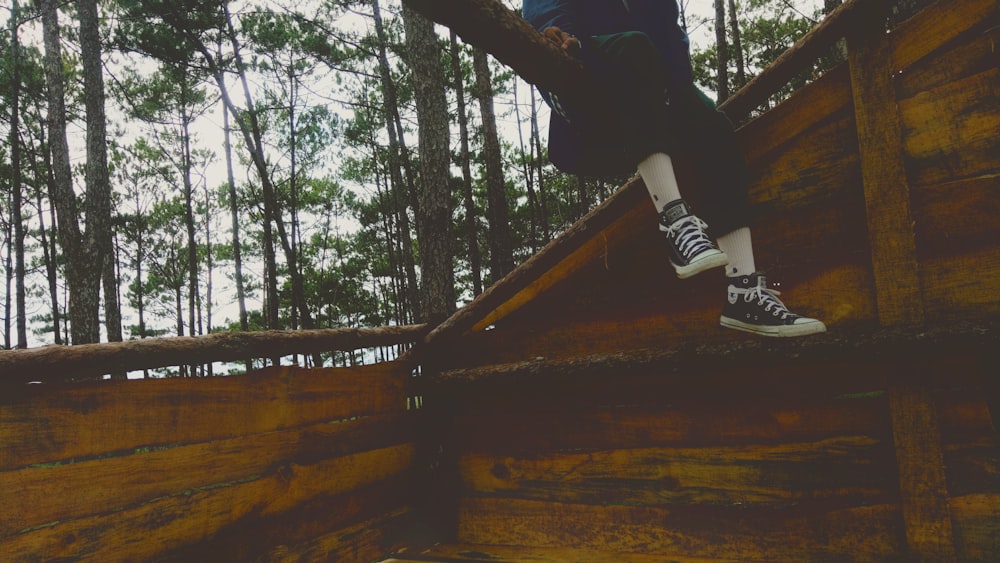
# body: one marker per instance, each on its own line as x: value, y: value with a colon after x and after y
x: 716, y: 260
x: 804, y: 329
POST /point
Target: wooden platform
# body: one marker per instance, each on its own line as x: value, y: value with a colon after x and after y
x: 456, y: 553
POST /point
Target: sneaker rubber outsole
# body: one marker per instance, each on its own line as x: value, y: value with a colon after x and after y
x: 699, y: 265
x: 804, y: 329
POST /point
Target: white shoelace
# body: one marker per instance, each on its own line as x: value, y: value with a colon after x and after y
x: 689, y: 233
x: 765, y: 296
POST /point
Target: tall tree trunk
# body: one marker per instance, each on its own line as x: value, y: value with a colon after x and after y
x: 48, y: 244
x: 529, y: 177
x: 83, y: 270
x: 501, y: 247
x: 471, y: 232
x: 722, y: 52
x: 8, y: 246
x: 235, y: 222
x: 98, y: 237
x: 538, y: 162
x: 435, y: 209
x: 734, y: 29
x: 189, y: 225
x: 112, y: 306
x: 209, y: 265
x: 17, y: 196
x: 398, y: 163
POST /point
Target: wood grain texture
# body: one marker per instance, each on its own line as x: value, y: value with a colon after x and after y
x: 890, y: 224
x: 54, y: 423
x: 70, y: 491
x: 858, y: 534
x: 228, y: 521
x: 919, y: 457
x: 54, y: 363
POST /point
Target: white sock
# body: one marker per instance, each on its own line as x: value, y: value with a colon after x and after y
x: 738, y: 245
x: 657, y: 172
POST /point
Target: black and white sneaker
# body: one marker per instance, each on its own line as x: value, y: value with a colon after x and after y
x: 753, y: 307
x: 692, y: 252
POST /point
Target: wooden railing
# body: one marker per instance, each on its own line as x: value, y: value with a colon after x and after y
x: 58, y: 363
x: 280, y: 463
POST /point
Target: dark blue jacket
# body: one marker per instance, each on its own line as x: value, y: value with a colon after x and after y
x: 586, y: 18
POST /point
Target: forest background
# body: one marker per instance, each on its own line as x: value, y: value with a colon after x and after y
x: 182, y: 167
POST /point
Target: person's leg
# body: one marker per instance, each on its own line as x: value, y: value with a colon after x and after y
x: 642, y: 123
x: 751, y: 305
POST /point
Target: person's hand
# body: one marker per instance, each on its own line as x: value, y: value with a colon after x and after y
x: 568, y: 43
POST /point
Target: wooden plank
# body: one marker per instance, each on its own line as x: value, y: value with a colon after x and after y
x: 837, y: 472
x: 957, y: 217
x: 890, y: 225
x: 69, y: 491
x: 368, y: 541
x: 518, y: 554
x: 564, y: 328
x: 919, y: 457
x: 972, y: 52
x: 950, y: 131
x: 534, y: 267
x: 859, y: 534
x: 807, y: 107
x: 44, y: 423
x: 934, y: 27
x: 639, y: 219
x: 973, y: 467
x: 820, y: 165
x: 561, y: 429
x: 962, y: 287
x: 977, y: 527
x: 236, y: 519
x: 53, y: 363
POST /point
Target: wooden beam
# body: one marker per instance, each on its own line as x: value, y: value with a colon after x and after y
x: 887, y: 194
x: 54, y: 363
x: 508, y: 37
x: 532, y: 269
x: 920, y: 460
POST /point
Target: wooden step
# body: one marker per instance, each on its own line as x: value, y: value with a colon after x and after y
x: 460, y: 553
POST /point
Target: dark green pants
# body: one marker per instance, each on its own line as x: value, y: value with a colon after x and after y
x: 650, y: 115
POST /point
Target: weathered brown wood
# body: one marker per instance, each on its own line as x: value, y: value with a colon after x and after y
x: 490, y: 25
x: 368, y: 541
x: 62, y: 422
x: 807, y: 107
x: 834, y: 473
x: 53, y: 363
x: 639, y: 218
x: 857, y: 534
x: 451, y: 553
x: 964, y: 51
x: 857, y: 347
x: 976, y: 526
x: 190, y: 518
x: 890, y: 224
x: 953, y: 293
x: 74, y: 490
x: 957, y: 218
x: 536, y: 266
x: 800, y: 55
x: 917, y: 437
x: 937, y: 25
x: 951, y: 130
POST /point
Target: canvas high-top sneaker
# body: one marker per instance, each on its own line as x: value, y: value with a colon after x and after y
x: 692, y: 252
x: 753, y: 307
